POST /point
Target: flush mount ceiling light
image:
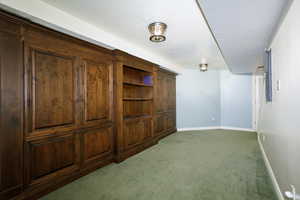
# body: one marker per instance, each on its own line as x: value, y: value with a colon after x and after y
x: 157, y: 30
x: 203, y: 65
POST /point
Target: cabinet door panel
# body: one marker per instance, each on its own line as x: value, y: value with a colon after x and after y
x: 170, y: 121
x: 52, y: 91
x: 171, y: 93
x: 147, y: 129
x: 98, y: 91
x: 159, y: 124
x: 136, y: 131
x: 97, y: 143
x: 160, y: 93
x: 11, y: 106
x: 51, y: 158
x: 131, y: 133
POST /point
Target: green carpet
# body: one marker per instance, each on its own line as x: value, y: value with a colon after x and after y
x: 192, y: 165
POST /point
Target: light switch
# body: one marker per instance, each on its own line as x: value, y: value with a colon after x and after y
x: 278, y: 85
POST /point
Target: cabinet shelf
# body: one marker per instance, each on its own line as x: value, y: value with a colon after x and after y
x: 136, y: 84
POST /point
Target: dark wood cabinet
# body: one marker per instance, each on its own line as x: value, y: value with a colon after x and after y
x: 11, y: 108
x: 50, y: 158
x: 68, y: 107
x: 69, y: 127
x: 97, y: 143
x: 52, y: 90
x: 136, y: 131
x: 159, y: 124
x: 165, y: 103
x: 97, y: 91
x: 134, y: 104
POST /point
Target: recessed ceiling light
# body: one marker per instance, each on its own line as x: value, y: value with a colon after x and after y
x: 203, y: 65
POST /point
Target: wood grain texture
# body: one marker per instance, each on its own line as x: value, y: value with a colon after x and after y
x: 165, y: 103
x: 97, y: 143
x: 11, y: 109
x: 134, y: 104
x: 53, y: 78
x: 51, y: 90
x: 50, y: 155
x: 159, y: 124
x: 50, y: 158
x: 69, y: 107
x: 98, y: 91
x: 136, y: 131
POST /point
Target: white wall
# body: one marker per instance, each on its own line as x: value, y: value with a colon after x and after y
x: 236, y: 100
x: 214, y: 99
x: 279, y: 120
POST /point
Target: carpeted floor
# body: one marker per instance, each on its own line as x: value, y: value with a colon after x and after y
x: 192, y: 165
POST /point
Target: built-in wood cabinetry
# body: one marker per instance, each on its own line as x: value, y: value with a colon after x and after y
x: 134, y: 104
x: 69, y: 107
x: 165, y: 103
x: 11, y: 108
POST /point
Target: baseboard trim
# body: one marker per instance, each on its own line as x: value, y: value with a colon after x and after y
x: 270, y: 170
x: 214, y: 128
x: 237, y: 128
x: 198, y: 128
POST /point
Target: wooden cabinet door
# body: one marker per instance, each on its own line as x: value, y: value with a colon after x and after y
x: 161, y: 93
x: 146, y: 131
x: 11, y: 106
x: 170, y: 122
x: 159, y: 124
x: 97, y: 143
x: 51, y: 158
x: 136, y: 131
x: 98, y: 88
x: 171, y: 93
x: 52, y: 81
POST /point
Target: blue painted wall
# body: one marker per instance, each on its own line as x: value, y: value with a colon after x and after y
x: 213, y: 99
x: 198, y: 99
x: 236, y: 100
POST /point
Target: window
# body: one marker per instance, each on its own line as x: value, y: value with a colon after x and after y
x: 268, y: 70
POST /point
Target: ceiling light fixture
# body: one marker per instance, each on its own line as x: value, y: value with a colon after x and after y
x: 157, y: 30
x: 203, y: 65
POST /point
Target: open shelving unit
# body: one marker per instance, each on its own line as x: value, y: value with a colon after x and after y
x: 135, y: 104
x: 137, y: 92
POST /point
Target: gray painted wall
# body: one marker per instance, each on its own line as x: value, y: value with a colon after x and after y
x: 213, y: 99
x: 279, y: 120
x: 236, y: 100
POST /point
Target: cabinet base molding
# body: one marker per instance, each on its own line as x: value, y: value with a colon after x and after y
x: 41, y: 190
x: 166, y: 133
x: 10, y: 193
x: 135, y: 150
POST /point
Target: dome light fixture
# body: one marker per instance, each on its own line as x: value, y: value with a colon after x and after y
x: 157, y: 30
x: 203, y: 65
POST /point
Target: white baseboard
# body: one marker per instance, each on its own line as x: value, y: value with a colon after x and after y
x: 237, y: 128
x: 270, y: 170
x: 214, y: 128
x: 198, y: 128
